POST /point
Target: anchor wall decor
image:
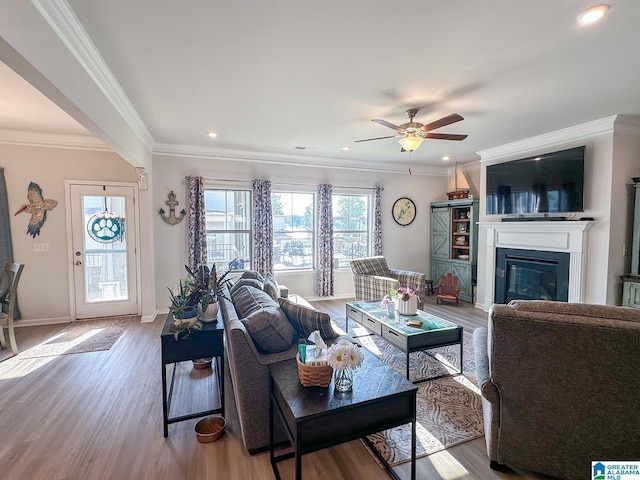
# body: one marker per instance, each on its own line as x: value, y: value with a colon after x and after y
x: 172, y: 203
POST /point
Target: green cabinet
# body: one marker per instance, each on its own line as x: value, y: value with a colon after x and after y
x: 454, y: 242
x: 631, y: 281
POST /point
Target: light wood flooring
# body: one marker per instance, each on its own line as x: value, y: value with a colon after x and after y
x: 98, y: 415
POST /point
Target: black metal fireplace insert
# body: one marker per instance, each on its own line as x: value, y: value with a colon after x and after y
x: 531, y: 275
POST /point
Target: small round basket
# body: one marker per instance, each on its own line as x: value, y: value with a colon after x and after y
x: 202, y: 363
x: 210, y: 429
x: 314, y: 376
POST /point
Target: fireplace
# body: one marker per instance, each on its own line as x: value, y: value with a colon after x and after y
x: 531, y: 275
x: 569, y: 237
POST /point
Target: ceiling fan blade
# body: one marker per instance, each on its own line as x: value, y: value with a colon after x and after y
x: 444, y: 121
x: 445, y: 136
x: 377, y: 138
x: 384, y: 123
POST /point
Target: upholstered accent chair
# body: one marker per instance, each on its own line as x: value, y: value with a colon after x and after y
x: 559, y: 383
x: 373, y: 279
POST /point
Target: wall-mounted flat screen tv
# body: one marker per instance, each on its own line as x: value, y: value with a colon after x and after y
x: 549, y: 183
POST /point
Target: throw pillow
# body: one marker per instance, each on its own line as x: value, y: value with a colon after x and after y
x: 253, y: 274
x: 270, y: 330
x: 247, y: 300
x: 251, y: 282
x: 307, y: 320
x: 270, y: 286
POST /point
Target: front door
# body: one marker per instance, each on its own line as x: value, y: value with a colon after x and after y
x: 104, y: 239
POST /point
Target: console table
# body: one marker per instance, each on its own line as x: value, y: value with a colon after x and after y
x: 205, y: 343
x: 317, y: 417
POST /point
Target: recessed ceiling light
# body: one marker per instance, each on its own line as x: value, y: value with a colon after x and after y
x: 446, y: 157
x: 593, y: 14
x: 212, y: 134
x: 346, y: 147
x: 537, y: 159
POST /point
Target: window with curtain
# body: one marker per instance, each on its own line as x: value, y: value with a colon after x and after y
x: 293, y: 230
x: 351, y: 227
x: 229, y: 233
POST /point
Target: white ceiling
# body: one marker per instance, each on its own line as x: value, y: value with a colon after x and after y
x: 270, y: 76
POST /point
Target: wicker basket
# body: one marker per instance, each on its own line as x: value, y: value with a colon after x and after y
x: 314, y: 376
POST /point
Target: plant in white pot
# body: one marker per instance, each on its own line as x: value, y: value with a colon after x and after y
x: 206, y: 289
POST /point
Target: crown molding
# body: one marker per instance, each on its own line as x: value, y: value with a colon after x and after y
x: 627, y: 124
x: 62, y: 19
x: 578, y: 132
x: 293, y: 160
x: 52, y: 140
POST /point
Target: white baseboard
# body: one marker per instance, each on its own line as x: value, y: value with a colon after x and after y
x: 342, y: 296
x: 148, y: 318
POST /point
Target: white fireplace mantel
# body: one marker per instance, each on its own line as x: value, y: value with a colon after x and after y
x: 550, y: 236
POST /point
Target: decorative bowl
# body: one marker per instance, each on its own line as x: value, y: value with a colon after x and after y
x: 210, y: 429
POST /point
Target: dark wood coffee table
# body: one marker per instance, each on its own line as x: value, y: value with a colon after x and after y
x: 317, y: 418
x: 435, y: 331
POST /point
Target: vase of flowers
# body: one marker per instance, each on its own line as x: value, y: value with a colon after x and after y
x: 407, y: 301
x: 344, y: 357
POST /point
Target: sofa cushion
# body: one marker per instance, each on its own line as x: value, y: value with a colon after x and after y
x: 247, y: 300
x: 251, y: 282
x: 270, y: 286
x: 270, y: 330
x: 307, y: 320
x: 253, y: 274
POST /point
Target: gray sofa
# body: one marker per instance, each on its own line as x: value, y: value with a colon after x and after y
x: 249, y: 368
x: 560, y: 385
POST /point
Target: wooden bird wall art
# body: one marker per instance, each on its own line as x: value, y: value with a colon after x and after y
x: 37, y: 207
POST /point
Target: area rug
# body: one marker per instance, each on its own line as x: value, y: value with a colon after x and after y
x: 448, y: 409
x: 83, y: 336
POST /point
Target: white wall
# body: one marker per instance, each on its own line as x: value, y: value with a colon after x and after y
x: 610, y: 162
x: 44, y: 286
x: 405, y: 247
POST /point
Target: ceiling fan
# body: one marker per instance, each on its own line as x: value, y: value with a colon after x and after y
x: 412, y: 133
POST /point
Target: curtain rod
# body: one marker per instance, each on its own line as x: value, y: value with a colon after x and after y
x: 281, y: 184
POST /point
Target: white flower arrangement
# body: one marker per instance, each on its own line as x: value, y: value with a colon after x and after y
x: 344, y: 354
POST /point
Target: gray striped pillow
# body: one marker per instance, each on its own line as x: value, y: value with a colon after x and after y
x: 270, y: 330
x: 248, y: 299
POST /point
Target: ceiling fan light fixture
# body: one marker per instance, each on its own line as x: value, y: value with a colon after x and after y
x: 410, y: 142
x: 593, y: 14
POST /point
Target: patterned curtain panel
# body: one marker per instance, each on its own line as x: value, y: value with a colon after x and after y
x: 262, y: 227
x: 325, y: 273
x: 197, y: 228
x: 6, y: 248
x: 377, y: 221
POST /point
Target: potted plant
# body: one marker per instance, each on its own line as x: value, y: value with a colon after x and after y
x: 185, y: 315
x: 206, y: 288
